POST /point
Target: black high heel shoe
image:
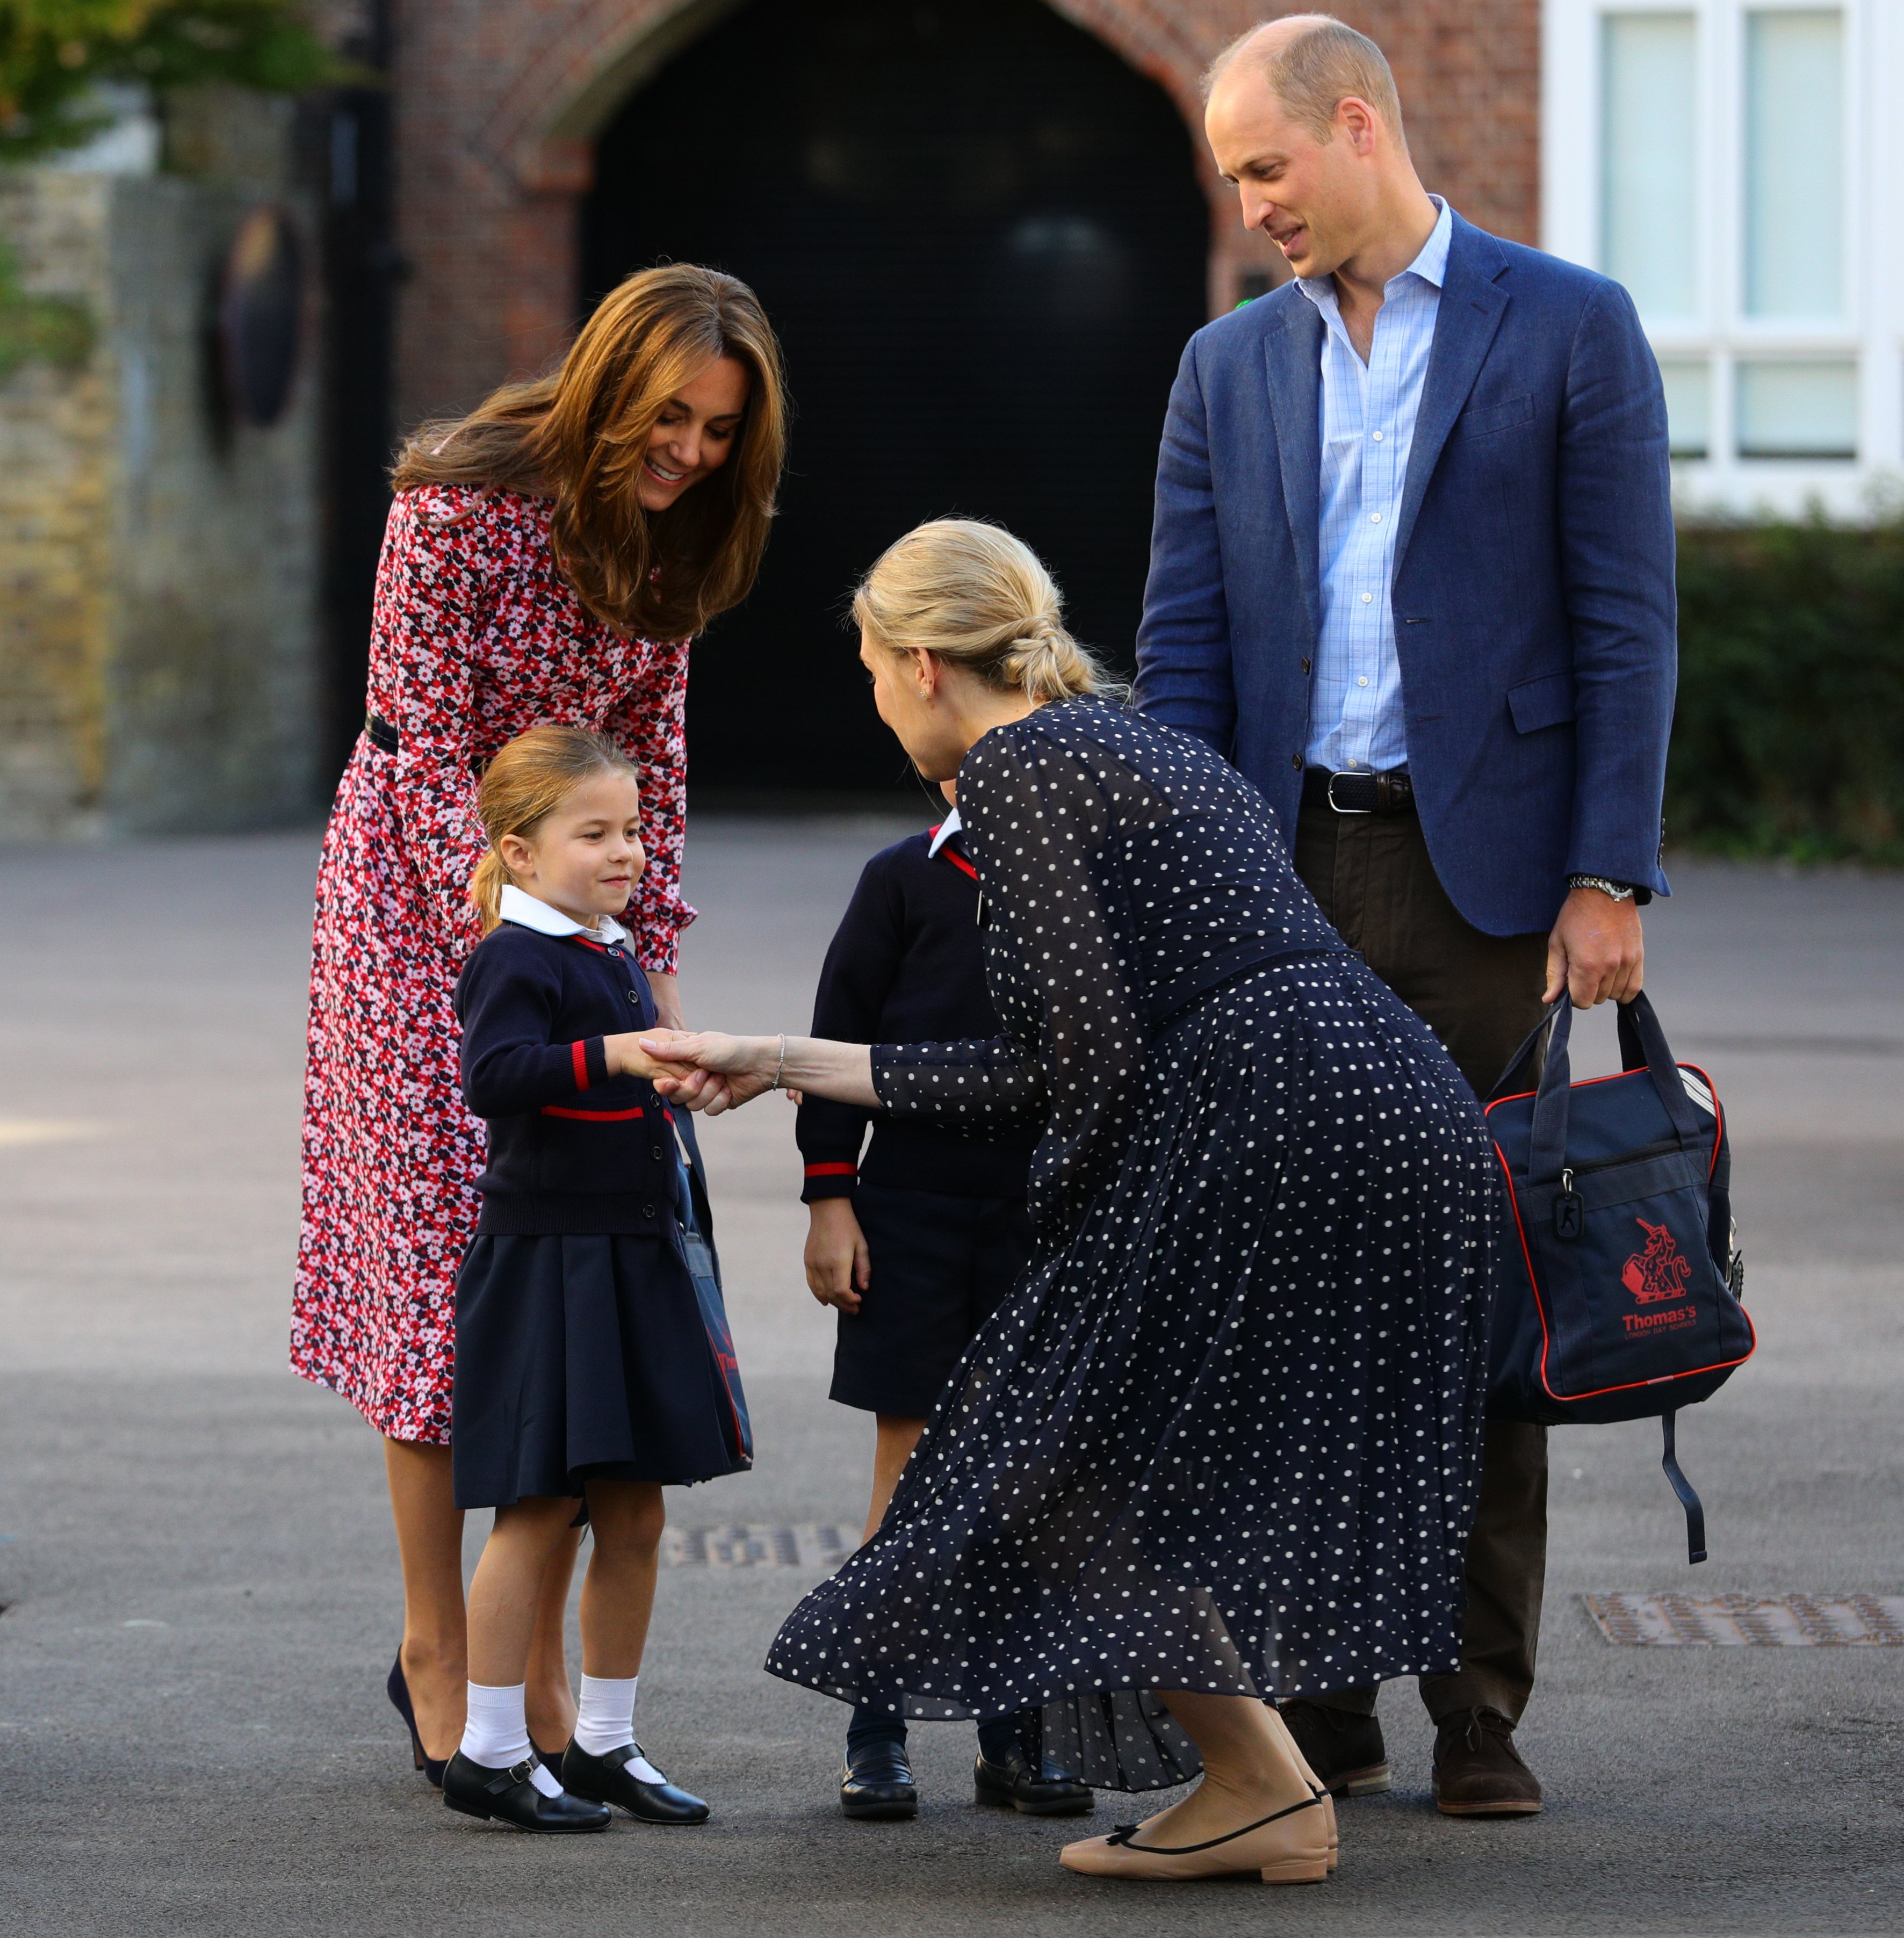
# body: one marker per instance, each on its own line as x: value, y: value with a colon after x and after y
x: 398, y: 1690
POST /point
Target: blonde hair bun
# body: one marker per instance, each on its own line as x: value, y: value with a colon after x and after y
x: 971, y: 594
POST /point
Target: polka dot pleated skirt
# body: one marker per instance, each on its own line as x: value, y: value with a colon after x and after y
x: 1225, y: 1436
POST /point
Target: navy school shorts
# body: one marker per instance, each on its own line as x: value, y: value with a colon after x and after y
x: 941, y: 1266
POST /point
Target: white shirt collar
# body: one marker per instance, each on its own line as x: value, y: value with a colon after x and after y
x: 949, y: 826
x: 1431, y: 264
x: 526, y: 912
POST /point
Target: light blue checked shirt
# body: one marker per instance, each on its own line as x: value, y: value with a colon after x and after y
x: 1368, y: 427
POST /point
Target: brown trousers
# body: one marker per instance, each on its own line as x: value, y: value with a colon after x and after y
x: 1480, y: 994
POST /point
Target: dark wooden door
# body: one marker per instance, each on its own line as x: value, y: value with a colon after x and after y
x: 981, y: 237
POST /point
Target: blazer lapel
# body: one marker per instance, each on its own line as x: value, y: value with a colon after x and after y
x: 1471, y: 307
x: 1292, y: 352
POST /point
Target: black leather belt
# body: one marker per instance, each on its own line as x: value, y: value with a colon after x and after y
x: 1359, y: 792
x: 381, y: 734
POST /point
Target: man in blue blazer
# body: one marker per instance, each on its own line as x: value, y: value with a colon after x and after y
x: 1412, y: 572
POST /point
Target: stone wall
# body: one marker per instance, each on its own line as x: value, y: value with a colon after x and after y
x: 498, y: 102
x: 159, y: 647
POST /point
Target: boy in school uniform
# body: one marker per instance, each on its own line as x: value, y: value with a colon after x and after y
x: 915, y: 1242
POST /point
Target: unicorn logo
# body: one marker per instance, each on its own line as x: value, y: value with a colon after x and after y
x: 1660, y: 1271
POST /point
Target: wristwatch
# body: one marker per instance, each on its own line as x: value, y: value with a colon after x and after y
x: 1620, y: 891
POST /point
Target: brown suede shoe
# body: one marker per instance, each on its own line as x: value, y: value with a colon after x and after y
x: 1478, y: 1773
x: 1345, y: 1751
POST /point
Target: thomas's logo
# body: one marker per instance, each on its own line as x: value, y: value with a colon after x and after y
x: 1660, y: 1271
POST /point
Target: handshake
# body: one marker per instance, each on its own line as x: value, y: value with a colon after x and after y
x: 703, y: 1070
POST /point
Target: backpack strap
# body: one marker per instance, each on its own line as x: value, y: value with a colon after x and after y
x: 1683, y: 1488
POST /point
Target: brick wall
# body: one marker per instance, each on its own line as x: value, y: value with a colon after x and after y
x: 498, y: 100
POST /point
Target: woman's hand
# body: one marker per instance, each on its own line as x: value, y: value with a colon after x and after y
x: 839, y: 1267
x: 702, y: 1070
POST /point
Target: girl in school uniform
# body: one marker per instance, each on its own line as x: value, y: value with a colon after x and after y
x: 916, y: 1243
x: 584, y: 1377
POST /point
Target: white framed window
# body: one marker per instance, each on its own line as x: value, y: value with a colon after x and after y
x: 1738, y: 165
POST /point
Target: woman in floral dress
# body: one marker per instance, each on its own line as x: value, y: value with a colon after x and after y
x: 547, y: 558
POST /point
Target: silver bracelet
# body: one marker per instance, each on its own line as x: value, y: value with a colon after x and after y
x: 781, y: 1065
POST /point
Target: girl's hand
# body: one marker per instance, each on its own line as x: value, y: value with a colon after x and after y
x: 626, y: 1058
x: 839, y: 1267
x: 705, y: 1070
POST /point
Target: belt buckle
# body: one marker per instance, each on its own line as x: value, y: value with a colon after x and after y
x: 1344, y: 775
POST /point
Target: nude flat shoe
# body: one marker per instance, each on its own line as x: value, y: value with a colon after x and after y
x: 1289, y: 1846
x: 1329, y: 1817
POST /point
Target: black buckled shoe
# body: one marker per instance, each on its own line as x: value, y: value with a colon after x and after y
x: 1345, y: 1751
x: 477, y: 1791
x: 1042, y: 1789
x: 877, y: 1781
x: 607, y: 1779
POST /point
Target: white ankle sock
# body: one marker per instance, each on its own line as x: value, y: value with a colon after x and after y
x: 496, y: 1732
x: 605, y: 1721
x: 605, y: 1717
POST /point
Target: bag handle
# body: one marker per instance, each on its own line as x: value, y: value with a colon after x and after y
x: 1504, y: 1084
x: 1642, y: 1046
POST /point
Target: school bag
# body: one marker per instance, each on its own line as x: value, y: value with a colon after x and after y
x: 697, y: 1220
x: 1618, y: 1282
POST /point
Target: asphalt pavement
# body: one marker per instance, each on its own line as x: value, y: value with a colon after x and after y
x: 200, y: 1580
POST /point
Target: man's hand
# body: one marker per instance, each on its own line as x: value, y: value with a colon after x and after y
x: 1595, y: 950
x: 839, y: 1267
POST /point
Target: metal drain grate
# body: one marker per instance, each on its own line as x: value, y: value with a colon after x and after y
x: 755, y: 1545
x: 1733, y: 1621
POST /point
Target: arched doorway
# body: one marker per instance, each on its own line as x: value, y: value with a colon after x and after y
x: 981, y: 238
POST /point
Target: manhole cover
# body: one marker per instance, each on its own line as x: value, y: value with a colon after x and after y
x: 754, y: 1545
x: 1733, y: 1621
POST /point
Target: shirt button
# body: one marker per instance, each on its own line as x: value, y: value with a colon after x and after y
x: 1378, y: 437
x: 1366, y: 596
x: 1362, y: 682
x: 1375, y: 517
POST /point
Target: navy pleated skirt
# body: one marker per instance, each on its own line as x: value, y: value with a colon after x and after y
x: 582, y: 1357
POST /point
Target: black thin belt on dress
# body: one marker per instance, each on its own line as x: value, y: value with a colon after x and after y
x: 1225, y: 966
x: 381, y: 734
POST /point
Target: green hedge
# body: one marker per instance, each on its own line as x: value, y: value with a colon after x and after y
x: 1789, y: 737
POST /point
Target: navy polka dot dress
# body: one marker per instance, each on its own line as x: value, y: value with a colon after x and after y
x: 1225, y: 1436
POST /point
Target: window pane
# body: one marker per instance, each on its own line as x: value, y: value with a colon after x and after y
x: 1648, y: 224
x: 1798, y: 410
x: 1688, y: 405
x: 1795, y: 164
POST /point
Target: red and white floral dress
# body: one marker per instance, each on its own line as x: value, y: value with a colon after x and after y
x: 477, y: 637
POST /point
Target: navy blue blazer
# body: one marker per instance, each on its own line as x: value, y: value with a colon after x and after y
x: 1535, y: 609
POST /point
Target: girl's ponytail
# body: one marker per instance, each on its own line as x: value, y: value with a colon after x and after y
x: 522, y: 786
x: 486, y: 889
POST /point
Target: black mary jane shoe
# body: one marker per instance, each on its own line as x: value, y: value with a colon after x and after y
x: 877, y: 1781
x: 607, y: 1779
x: 1042, y: 1790
x: 398, y: 1690
x: 510, y: 1796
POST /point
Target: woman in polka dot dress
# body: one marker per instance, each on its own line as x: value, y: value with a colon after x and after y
x: 547, y: 560
x: 1222, y: 1440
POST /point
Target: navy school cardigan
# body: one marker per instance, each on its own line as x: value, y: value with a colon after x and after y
x: 572, y: 1149
x: 907, y: 966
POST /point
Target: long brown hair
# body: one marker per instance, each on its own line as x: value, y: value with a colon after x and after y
x: 523, y: 786
x: 579, y: 437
